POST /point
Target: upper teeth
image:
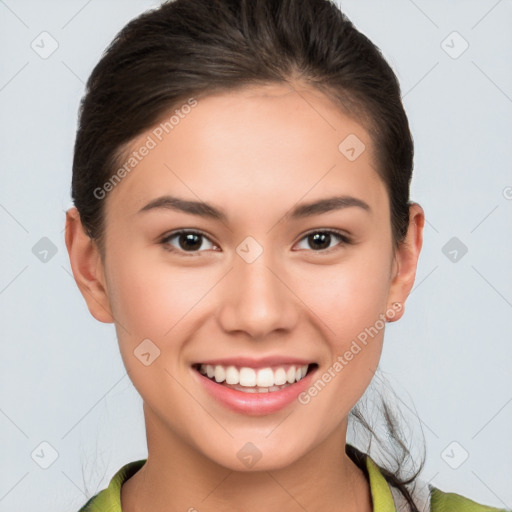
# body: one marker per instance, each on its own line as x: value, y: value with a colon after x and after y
x: 262, y: 377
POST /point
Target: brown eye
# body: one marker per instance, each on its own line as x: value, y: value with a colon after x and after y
x: 187, y: 241
x: 321, y: 240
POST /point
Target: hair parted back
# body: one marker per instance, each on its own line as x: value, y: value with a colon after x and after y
x: 194, y: 48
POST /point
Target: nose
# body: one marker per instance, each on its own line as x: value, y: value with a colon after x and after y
x: 257, y: 299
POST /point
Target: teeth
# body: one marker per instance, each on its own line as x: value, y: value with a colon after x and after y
x: 264, y: 378
x: 251, y: 377
x: 219, y: 373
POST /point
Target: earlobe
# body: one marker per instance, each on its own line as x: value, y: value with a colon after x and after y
x: 87, y: 268
x: 407, y: 255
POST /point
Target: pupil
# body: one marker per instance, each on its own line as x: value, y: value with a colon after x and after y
x: 192, y: 241
x: 321, y: 237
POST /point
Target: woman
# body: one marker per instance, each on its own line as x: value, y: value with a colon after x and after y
x: 241, y: 187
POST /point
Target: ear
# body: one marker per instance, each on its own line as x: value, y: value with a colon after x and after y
x: 406, y: 261
x: 87, y: 267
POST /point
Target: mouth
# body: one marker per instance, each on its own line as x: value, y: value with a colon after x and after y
x: 268, y: 379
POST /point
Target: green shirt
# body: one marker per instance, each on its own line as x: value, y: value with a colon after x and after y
x: 385, y: 498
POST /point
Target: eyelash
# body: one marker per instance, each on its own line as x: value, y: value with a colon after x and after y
x: 345, y: 240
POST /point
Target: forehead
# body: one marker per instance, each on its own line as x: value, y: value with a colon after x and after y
x: 260, y: 145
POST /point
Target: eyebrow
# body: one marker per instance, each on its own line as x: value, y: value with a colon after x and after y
x: 206, y: 210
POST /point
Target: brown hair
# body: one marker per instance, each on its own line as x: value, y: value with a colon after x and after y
x: 192, y: 48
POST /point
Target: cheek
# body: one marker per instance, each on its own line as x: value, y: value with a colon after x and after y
x: 140, y: 297
x: 350, y: 313
x: 349, y: 296
x: 150, y: 297
x: 348, y: 302
x: 151, y: 303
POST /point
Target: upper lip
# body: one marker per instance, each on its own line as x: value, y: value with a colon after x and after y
x: 251, y: 362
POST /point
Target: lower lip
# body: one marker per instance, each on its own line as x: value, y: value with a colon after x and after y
x: 255, y: 404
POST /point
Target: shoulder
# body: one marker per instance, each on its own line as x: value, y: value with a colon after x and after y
x: 441, y: 501
x: 428, y: 498
x: 90, y: 502
x: 101, y: 502
x: 109, y: 499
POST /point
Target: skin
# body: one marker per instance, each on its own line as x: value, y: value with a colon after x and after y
x: 255, y: 154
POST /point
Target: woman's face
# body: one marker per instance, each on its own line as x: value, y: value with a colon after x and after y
x: 257, y: 283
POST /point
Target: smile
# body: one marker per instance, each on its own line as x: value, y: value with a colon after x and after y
x: 255, y: 391
x: 254, y: 380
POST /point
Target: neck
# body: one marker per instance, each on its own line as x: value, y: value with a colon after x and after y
x: 178, y: 477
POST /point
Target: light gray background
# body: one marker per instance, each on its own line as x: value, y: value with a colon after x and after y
x: 63, y: 381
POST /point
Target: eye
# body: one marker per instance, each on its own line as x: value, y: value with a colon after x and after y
x: 188, y: 241
x: 322, y: 238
